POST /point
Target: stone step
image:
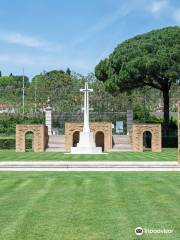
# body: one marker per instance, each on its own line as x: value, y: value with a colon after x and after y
x: 122, y: 145
x: 53, y: 145
x: 121, y: 142
x: 57, y: 146
x: 55, y: 149
x: 56, y: 143
x: 124, y: 139
x: 57, y: 139
x: 56, y: 136
x: 88, y: 166
x: 128, y: 149
x: 120, y: 150
x: 121, y: 136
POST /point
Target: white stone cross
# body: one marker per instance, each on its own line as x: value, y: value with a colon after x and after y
x: 86, y: 143
x: 86, y: 91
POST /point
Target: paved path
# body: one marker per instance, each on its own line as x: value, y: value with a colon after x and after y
x: 88, y: 166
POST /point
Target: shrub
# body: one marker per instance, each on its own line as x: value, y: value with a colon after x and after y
x: 10, y: 143
x: 7, y: 143
x: 8, y: 122
x: 170, y: 141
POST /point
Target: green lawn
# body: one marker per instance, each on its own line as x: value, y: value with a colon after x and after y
x: 88, y: 206
x: 168, y: 154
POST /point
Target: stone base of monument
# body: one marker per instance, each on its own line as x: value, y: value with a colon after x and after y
x: 86, y: 145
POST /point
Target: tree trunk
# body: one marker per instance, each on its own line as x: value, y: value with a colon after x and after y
x: 166, y: 111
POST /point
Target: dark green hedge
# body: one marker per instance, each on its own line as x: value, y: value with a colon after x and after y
x: 167, y: 142
x: 7, y: 143
x: 170, y: 141
x: 11, y: 143
x: 8, y: 122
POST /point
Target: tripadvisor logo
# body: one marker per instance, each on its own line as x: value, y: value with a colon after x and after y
x: 139, y: 231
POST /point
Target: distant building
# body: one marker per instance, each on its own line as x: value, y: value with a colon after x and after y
x: 6, y: 108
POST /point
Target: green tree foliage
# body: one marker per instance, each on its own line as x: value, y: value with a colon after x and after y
x: 68, y: 71
x: 8, y: 123
x: 11, y: 88
x: 6, y: 82
x: 63, y: 91
x: 59, y: 86
x: 13, y: 82
x: 151, y: 59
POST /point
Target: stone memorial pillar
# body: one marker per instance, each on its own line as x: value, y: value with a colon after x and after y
x: 48, y: 118
x: 129, y: 120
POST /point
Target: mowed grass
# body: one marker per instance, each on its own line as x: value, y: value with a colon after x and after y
x: 88, y: 206
x: 168, y: 154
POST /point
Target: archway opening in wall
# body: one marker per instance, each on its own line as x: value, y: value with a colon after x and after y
x: 75, y: 138
x: 99, y: 139
x: 29, y: 146
x: 147, y: 141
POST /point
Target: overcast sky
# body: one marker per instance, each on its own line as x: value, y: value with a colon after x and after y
x: 55, y: 34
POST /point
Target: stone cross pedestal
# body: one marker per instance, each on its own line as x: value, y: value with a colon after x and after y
x: 86, y: 143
